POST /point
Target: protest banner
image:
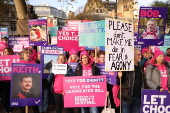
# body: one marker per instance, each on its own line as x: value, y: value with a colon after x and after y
x: 59, y: 68
x: 18, y: 41
x: 6, y: 66
x: 53, y: 31
x: 73, y: 25
x: 90, y: 32
x: 68, y: 40
x: 49, y: 55
x: 154, y: 101
x: 38, y: 32
x: 4, y: 32
x: 119, y: 45
x: 73, y: 65
x: 84, y: 91
x: 31, y: 93
x: 152, y: 35
x: 110, y: 76
x: 18, y: 48
x: 3, y: 45
x: 53, y: 35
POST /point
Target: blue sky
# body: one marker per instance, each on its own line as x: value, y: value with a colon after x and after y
x: 61, y: 5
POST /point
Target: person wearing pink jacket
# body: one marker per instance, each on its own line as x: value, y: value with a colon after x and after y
x: 25, y: 56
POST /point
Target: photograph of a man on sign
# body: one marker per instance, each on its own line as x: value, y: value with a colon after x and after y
x: 151, y: 28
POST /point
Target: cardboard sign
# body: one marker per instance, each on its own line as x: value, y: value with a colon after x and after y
x: 84, y: 91
x: 49, y: 55
x: 6, y: 66
x: 18, y: 41
x: 90, y: 32
x: 54, y: 40
x: 59, y: 68
x: 38, y: 32
x: 18, y: 48
x: 68, y: 40
x: 119, y: 44
x: 26, y: 85
x: 152, y: 35
x: 154, y: 101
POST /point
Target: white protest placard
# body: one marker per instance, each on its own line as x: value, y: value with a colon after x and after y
x: 59, y: 68
x: 119, y: 45
x: 18, y: 48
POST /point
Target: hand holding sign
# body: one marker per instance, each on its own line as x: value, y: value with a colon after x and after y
x: 119, y: 74
x: 161, y: 90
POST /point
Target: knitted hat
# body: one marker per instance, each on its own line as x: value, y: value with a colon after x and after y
x: 145, y: 50
x: 73, y: 51
x: 84, y: 53
x: 157, y: 53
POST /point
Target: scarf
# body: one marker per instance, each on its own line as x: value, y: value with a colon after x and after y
x: 151, y: 33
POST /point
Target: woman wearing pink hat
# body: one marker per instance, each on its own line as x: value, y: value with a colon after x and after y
x: 87, y: 68
x: 158, y: 72
x: 73, y: 56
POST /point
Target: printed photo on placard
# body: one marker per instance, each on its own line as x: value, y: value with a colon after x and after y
x: 49, y: 55
x: 151, y: 28
x: 152, y: 23
x: 48, y: 61
x: 26, y: 86
x: 38, y: 32
x: 50, y: 22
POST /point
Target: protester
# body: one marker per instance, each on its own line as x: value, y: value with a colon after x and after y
x: 101, y: 58
x: 92, y: 55
x: 57, y: 85
x: 87, y: 68
x: 45, y: 91
x: 152, y: 31
x: 146, y: 56
x: 132, y: 82
x: 5, y: 39
x: 158, y: 72
x: 5, y: 85
x: 8, y: 51
x: 167, y: 57
x: 25, y: 57
x: 73, y: 56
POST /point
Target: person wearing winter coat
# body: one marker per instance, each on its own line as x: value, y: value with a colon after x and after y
x: 57, y: 85
x: 158, y: 72
x: 87, y: 68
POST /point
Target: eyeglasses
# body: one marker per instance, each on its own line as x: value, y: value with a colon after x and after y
x: 139, y: 54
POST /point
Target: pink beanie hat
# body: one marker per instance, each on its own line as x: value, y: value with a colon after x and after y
x: 157, y: 53
x: 145, y: 50
x: 84, y: 53
x: 73, y: 51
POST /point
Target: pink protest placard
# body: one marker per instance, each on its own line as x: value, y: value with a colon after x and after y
x: 53, y: 40
x: 73, y: 24
x: 68, y: 40
x: 65, y: 28
x: 84, y: 91
x: 3, y: 45
x: 18, y: 48
x: 6, y: 66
